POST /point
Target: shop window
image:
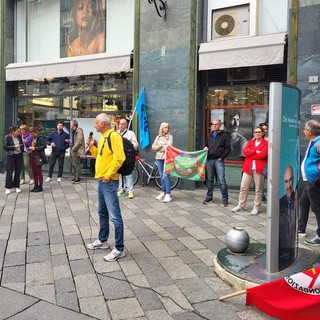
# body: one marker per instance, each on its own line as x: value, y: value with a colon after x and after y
x: 240, y: 109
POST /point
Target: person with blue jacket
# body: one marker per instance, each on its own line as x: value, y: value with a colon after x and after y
x: 59, y: 142
x: 310, y: 171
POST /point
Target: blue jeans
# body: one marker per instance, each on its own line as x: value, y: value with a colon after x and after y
x: 216, y: 167
x: 165, y: 180
x: 109, y: 206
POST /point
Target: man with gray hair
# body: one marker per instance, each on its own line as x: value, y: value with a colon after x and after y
x: 106, y: 172
x: 218, y: 146
x: 126, y: 182
x: 77, y: 149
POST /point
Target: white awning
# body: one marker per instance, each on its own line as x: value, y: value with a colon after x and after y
x: 242, y: 52
x: 69, y: 67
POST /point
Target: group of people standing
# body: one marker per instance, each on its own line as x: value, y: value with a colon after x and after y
x: 255, y: 153
x: 25, y: 152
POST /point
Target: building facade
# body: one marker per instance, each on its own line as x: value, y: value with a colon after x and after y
x: 198, y: 60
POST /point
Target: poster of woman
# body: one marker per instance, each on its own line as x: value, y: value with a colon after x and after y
x: 85, y: 28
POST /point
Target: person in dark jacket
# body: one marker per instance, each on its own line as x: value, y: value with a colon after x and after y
x: 38, y: 144
x: 59, y: 141
x: 218, y: 146
x: 13, y: 145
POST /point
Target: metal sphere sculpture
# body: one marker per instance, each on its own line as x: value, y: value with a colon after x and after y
x: 237, y: 240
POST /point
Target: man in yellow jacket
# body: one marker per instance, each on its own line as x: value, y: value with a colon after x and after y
x: 107, y: 164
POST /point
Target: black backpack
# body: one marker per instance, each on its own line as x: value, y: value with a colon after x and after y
x: 130, y: 152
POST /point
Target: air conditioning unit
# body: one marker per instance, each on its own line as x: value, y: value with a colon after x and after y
x: 230, y: 22
x: 242, y: 74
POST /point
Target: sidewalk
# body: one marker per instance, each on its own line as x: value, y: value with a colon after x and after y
x: 167, y: 273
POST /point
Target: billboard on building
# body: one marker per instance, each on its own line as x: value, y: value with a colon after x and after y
x: 82, y: 27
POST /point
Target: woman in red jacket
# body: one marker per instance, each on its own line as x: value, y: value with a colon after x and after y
x: 256, y: 156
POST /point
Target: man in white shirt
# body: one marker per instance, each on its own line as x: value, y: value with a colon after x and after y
x: 126, y: 182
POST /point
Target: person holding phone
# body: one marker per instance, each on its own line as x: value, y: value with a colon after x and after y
x: 13, y: 145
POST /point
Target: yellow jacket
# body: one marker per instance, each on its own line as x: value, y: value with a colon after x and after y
x: 107, y: 162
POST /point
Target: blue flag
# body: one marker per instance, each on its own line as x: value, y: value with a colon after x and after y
x: 144, y: 136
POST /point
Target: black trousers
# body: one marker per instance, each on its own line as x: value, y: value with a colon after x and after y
x: 14, y: 166
x: 53, y: 159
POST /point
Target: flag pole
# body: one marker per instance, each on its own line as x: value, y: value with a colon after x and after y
x: 231, y: 295
x: 135, y: 108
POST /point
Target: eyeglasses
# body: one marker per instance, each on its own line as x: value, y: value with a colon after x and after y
x: 257, y: 131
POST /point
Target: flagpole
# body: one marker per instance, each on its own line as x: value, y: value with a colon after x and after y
x: 231, y: 295
x: 135, y: 108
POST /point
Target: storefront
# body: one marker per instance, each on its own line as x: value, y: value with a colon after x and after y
x: 41, y: 103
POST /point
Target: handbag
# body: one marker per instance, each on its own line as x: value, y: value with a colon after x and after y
x: 40, y: 161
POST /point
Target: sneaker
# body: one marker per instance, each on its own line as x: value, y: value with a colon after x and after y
x: 18, y: 190
x: 167, y: 198
x: 313, y: 242
x: 207, y: 200
x: 48, y: 179
x: 22, y: 181
x: 31, y: 182
x: 8, y: 191
x: 254, y: 211
x: 237, y: 209
x: 59, y: 179
x: 76, y: 181
x: 160, y: 196
x: 73, y: 179
x: 114, y: 255
x: 302, y: 234
x: 97, y: 244
x: 121, y: 193
x: 131, y: 195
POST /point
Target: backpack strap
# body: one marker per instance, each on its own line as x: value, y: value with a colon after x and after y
x: 109, y: 141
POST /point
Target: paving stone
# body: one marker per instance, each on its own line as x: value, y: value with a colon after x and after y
x: 15, y: 259
x: 95, y: 307
x: 61, y: 272
x: 148, y: 299
x: 68, y: 300
x: 115, y: 286
x: 125, y: 309
x: 13, y: 274
x: 196, y: 290
x: 38, y: 238
x: 159, y: 315
x: 39, y: 273
x: 38, y: 254
x: 18, y: 231
x: 55, y: 312
x: 159, y: 249
x: 130, y: 267
x: 77, y: 252
x: 173, y: 299
x: 176, y: 268
x: 59, y: 259
x: 64, y: 285
x: 8, y: 308
x: 16, y: 245
x: 44, y: 292
x: 87, y: 286
x: 83, y: 266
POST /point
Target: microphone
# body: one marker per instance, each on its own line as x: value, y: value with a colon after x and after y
x: 90, y: 137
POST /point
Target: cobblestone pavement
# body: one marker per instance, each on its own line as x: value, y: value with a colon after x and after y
x: 46, y: 271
